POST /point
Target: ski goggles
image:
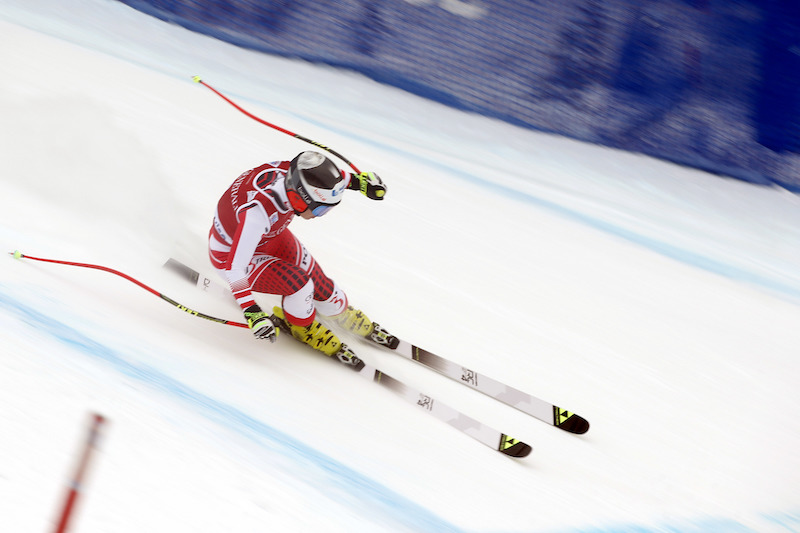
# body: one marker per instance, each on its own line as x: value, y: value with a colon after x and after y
x: 321, y: 210
x: 301, y: 205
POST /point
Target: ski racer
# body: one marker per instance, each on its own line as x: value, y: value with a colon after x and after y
x: 251, y: 246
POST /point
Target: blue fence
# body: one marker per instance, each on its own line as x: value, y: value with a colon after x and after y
x: 711, y: 84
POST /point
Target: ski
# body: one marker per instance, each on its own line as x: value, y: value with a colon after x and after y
x: 531, y: 405
x: 477, y: 430
x: 536, y: 407
x: 484, y: 434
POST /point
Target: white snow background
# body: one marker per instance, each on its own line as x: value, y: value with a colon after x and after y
x: 661, y: 303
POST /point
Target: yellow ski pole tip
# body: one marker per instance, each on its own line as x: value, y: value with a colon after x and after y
x: 17, y: 254
x: 196, y: 79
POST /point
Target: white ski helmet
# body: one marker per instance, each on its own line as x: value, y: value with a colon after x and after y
x: 314, y: 182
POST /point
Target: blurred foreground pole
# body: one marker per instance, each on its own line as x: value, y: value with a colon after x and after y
x: 77, y: 479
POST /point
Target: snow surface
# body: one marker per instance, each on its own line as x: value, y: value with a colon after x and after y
x: 661, y: 303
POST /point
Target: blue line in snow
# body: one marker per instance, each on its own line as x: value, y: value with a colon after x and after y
x: 335, y: 478
x: 668, y: 250
x: 791, y: 293
x: 326, y: 475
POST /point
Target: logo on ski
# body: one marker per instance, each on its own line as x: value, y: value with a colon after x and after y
x: 469, y: 376
x: 426, y: 402
x: 561, y: 415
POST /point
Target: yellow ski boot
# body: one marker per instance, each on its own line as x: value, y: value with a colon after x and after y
x: 356, y: 321
x: 320, y: 338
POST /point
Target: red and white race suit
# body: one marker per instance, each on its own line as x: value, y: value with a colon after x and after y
x: 251, y: 247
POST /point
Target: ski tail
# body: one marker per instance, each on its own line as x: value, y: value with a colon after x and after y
x: 570, y: 422
x: 513, y: 447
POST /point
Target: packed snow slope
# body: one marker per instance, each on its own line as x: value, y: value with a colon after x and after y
x: 661, y: 303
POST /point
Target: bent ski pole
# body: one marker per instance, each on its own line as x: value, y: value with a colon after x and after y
x: 19, y: 255
x: 197, y: 79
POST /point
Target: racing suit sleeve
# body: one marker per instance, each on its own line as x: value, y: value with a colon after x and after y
x: 253, y: 225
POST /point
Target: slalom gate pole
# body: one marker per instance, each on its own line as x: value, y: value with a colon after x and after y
x: 19, y: 255
x: 197, y: 79
x: 76, y: 483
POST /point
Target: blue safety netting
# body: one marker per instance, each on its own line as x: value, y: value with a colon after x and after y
x: 711, y: 84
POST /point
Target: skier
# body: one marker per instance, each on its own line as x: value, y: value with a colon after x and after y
x: 251, y: 246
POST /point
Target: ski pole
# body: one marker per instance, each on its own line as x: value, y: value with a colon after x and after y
x: 19, y: 255
x: 197, y: 79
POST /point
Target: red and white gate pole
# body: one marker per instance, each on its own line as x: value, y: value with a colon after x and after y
x: 76, y: 483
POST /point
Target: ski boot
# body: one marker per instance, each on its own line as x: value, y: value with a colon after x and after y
x: 320, y: 338
x: 357, y: 322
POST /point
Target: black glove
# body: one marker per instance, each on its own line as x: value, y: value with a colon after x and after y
x: 260, y: 323
x: 370, y: 185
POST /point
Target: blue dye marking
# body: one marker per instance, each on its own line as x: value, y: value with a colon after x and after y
x: 365, y: 492
x: 791, y: 293
x: 788, y: 522
x: 668, y: 250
